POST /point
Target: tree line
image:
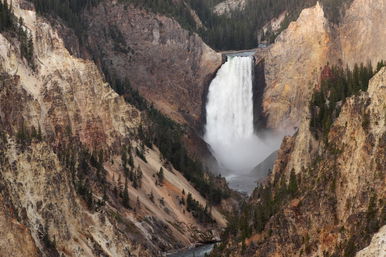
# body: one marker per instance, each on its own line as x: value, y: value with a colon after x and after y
x: 15, y: 27
x: 238, y: 29
x: 68, y: 10
x: 337, y: 83
x: 254, y: 215
x: 198, y: 211
x: 6, y: 16
x: 166, y: 134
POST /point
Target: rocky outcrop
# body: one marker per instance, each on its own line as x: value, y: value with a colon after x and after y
x: 350, y: 171
x: 377, y: 246
x: 43, y: 211
x: 167, y: 64
x: 228, y: 6
x: 12, y: 232
x: 292, y: 65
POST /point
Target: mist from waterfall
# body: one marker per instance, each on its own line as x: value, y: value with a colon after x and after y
x: 229, y: 126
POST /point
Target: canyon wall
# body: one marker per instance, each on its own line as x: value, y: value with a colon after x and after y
x: 324, y: 197
x: 169, y: 65
x: 349, y: 172
x: 172, y: 67
x: 292, y: 66
x: 294, y: 61
x: 52, y: 118
x: 360, y: 32
x: 334, y: 202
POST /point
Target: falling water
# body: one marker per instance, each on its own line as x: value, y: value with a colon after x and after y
x: 229, y: 112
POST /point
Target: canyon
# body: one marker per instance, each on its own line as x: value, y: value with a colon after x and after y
x: 291, y: 64
x: 72, y: 150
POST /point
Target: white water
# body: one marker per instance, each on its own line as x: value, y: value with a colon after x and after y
x: 229, y: 126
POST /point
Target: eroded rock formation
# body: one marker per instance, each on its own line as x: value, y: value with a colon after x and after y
x: 169, y: 66
x: 294, y: 61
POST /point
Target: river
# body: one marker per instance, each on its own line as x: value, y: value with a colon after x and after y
x: 198, y: 251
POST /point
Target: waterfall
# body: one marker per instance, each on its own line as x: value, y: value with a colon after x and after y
x: 229, y: 116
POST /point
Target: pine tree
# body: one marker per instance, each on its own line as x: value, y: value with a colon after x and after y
x: 151, y: 196
x: 160, y: 175
x: 125, y: 196
x: 39, y: 135
x: 292, y: 186
x: 138, y: 203
x: 123, y: 157
x: 131, y: 160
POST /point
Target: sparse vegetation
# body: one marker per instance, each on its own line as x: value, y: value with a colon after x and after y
x: 176, y: 9
x: 15, y: 27
x: 86, y: 170
x: 160, y: 176
x: 166, y: 134
x: 198, y: 211
x: 337, y: 84
x: 25, y: 135
x: 68, y: 10
x: 238, y: 29
x: 125, y: 198
x: 253, y: 217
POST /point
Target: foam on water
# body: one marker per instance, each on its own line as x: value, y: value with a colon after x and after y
x: 229, y: 112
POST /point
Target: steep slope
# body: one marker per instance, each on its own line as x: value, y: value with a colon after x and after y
x: 377, y: 246
x: 170, y: 66
x: 328, y: 202
x: 75, y: 179
x: 360, y: 30
x: 176, y: 66
x: 291, y: 65
x: 293, y: 62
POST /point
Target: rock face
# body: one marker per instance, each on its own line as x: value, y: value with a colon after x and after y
x: 339, y: 202
x: 292, y: 67
x: 293, y: 62
x: 172, y: 67
x: 43, y: 212
x: 168, y: 65
x: 67, y: 101
x: 45, y: 201
x: 228, y: 6
x: 341, y: 187
x: 377, y: 246
x: 64, y: 95
x: 361, y: 30
x: 357, y: 162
